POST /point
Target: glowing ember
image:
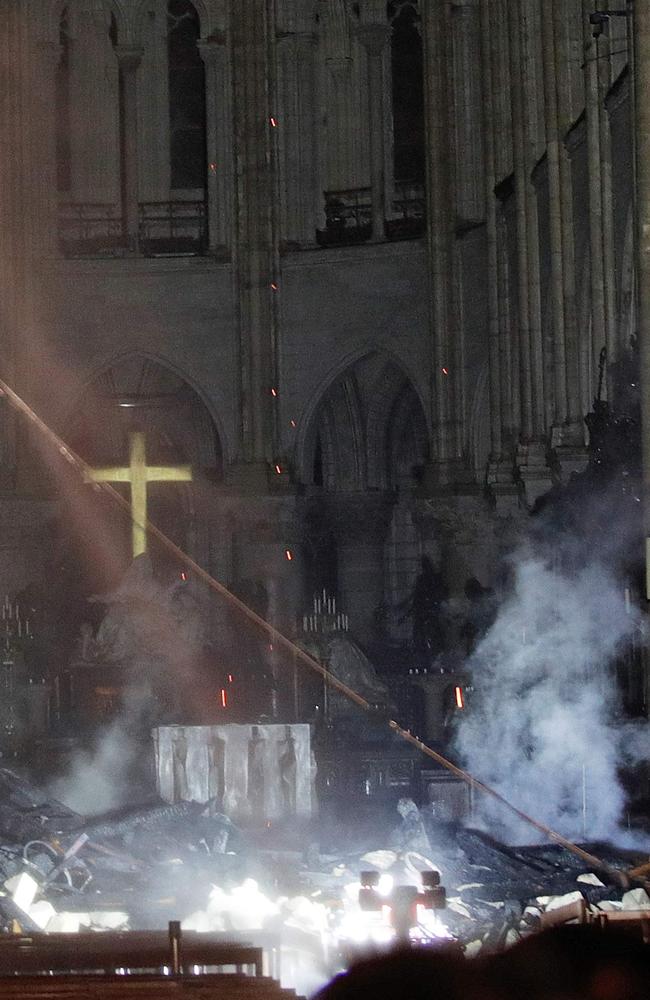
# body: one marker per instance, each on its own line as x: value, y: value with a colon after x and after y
x: 460, y: 698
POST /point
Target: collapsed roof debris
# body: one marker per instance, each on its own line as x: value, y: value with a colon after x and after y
x: 138, y: 869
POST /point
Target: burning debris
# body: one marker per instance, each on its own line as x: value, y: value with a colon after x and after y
x: 137, y: 869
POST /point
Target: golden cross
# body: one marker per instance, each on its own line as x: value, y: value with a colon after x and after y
x: 138, y: 474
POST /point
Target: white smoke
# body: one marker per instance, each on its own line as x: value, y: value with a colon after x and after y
x: 97, y: 779
x: 100, y: 779
x: 541, y: 725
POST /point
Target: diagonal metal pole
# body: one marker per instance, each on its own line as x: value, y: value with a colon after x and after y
x: 84, y: 470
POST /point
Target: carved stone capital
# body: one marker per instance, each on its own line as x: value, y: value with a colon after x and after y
x: 373, y: 37
x: 129, y: 57
x: 213, y: 48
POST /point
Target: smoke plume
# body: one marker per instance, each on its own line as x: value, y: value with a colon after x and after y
x: 541, y: 727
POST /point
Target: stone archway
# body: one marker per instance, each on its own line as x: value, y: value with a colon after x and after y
x: 364, y: 448
x: 134, y: 392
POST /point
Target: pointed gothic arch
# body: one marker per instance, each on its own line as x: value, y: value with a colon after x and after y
x: 367, y: 429
x: 134, y: 373
x: 134, y: 392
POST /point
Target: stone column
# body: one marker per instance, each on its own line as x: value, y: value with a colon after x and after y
x: 468, y: 106
x: 491, y: 233
x: 592, y: 55
x: 40, y: 163
x: 254, y: 246
x: 642, y: 136
x: 564, y: 122
x: 154, y: 163
x: 561, y: 408
x: 296, y: 135
x: 439, y: 193
x: 94, y: 106
x: 218, y: 105
x: 604, y: 66
x: 129, y: 57
x: 528, y: 40
x: 337, y: 113
x: 12, y: 203
x: 521, y: 183
x: 374, y: 37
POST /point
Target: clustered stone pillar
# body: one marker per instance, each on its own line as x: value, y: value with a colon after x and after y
x: 563, y: 120
x: 439, y: 192
x: 494, y: 331
x: 214, y: 53
x: 599, y: 165
x: 94, y: 107
x: 466, y: 68
x: 254, y: 249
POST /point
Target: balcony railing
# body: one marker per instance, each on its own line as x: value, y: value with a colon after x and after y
x: 173, y: 228
x: 165, y: 228
x: 409, y: 211
x: 348, y: 215
x: 90, y: 229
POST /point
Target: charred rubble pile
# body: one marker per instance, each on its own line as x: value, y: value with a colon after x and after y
x: 60, y: 871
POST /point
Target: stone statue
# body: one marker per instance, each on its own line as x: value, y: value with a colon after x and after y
x: 146, y: 621
x: 154, y: 631
x: 347, y: 662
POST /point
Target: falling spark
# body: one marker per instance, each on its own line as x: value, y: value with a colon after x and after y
x: 213, y: 168
x: 289, y: 555
x: 460, y: 700
x: 274, y: 286
x: 230, y: 678
x: 293, y: 423
x: 278, y: 469
x: 183, y: 575
x: 224, y: 698
x: 274, y: 392
x: 274, y: 123
x: 445, y: 371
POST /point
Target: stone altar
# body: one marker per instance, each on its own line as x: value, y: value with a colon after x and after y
x: 254, y: 772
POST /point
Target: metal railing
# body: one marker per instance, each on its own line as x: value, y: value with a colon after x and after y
x: 88, y: 229
x: 348, y: 215
x: 165, y: 228
x: 409, y: 211
x: 172, y: 228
